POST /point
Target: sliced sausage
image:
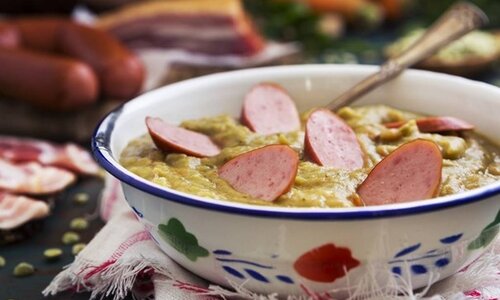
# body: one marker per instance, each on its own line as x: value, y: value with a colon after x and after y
x: 177, y: 139
x: 265, y: 173
x: 436, y: 124
x: 120, y: 72
x: 330, y: 142
x: 411, y: 172
x: 268, y: 109
x: 47, y: 81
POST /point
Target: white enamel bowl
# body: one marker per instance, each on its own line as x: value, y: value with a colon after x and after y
x: 299, y: 250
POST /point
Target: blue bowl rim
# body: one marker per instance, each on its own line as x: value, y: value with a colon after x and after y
x: 100, y: 144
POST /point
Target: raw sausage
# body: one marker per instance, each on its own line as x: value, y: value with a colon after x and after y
x: 120, y: 72
x: 265, y: 173
x: 436, y: 124
x: 268, y: 109
x: 330, y: 142
x: 411, y: 172
x: 47, y: 81
x: 177, y: 139
x: 39, y: 33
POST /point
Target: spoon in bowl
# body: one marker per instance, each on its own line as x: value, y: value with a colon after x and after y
x: 456, y: 22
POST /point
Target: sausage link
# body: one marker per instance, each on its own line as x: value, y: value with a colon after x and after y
x: 46, y: 81
x: 120, y: 72
x: 117, y: 73
x: 40, y: 33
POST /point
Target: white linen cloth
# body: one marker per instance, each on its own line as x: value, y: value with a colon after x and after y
x: 122, y: 259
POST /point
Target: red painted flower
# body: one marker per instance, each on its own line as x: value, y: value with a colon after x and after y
x: 326, y: 263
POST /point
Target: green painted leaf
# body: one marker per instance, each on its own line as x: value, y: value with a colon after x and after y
x: 487, y: 235
x: 185, y: 242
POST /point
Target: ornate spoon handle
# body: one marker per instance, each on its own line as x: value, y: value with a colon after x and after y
x: 459, y: 20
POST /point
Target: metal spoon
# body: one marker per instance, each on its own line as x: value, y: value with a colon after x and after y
x: 456, y: 22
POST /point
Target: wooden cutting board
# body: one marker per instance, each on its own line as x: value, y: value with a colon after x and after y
x: 22, y: 119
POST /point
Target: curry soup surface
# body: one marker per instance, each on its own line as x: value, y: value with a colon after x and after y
x: 469, y: 161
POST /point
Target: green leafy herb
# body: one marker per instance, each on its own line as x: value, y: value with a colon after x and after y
x: 289, y: 21
x: 430, y: 10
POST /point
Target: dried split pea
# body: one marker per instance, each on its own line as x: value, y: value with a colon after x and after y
x: 24, y: 269
x: 52, y: 253
x: 79, y: 224
x: 70, y: 238
x: 2, y: 262
x: 81, y: 198
x: 77, y: 248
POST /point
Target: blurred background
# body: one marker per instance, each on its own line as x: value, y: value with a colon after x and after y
x: 176, y: 40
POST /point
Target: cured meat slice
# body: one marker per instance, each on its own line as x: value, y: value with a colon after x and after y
x: 177, y: 139
x: 68, y: 156
x: 265, y: 173
x: 411, y: 172
x: 45, y: 80
x: 74, y: 158
x: 330, y: 142
x: 17, y: 210
x: 436, y: 124
x: 33, y: 178
x: 215, y: 27
x: 268, y: 109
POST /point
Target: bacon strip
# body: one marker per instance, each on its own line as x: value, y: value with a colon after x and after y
x: 68, y: 156
x: 216, y: 27
x: 33, y: 178
x: 16, y: 210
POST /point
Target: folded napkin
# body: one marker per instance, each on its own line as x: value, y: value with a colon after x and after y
x: 122, y: 259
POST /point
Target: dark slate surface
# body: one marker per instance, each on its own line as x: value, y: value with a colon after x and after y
x: 31, y: 250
